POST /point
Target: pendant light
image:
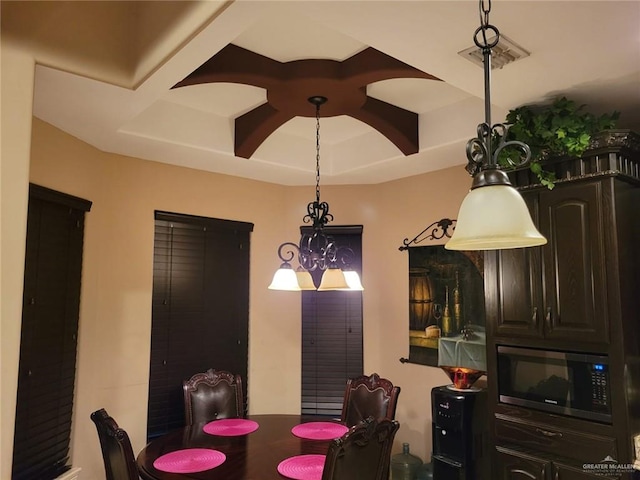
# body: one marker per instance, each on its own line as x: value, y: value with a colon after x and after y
x: 316, y: 250
x: 493, y: 215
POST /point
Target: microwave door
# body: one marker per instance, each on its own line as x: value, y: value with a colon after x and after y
x: 556, y: 382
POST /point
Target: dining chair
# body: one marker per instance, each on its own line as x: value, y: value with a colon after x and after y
x: 117, y: 453
x: 366, y: 396
x: 363, y: 453
x: 212, y: 395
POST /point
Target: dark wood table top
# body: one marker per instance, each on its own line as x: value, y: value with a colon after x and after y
x: 249, y: 457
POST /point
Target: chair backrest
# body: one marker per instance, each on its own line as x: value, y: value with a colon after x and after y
x: 363, y: 453
x: 117, y: 453
x: 367, y: 396
x: 212, y: 395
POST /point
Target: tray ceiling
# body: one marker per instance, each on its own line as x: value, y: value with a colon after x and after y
x: 108, y: 80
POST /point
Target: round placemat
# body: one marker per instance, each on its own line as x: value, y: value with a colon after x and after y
x: 302, y: 467
x: 189, y: 460
x: 230, y: 427
x: 319, y: 430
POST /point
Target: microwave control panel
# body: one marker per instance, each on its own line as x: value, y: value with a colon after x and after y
x: 600, y: 385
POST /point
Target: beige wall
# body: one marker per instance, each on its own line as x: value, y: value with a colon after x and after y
x: 15, y: 134
x: 113, y: 354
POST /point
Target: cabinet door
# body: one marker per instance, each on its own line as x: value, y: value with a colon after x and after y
x: 563, y: 472
x: 519, y: 287
x: 571, y: 218
x: 512, y: 465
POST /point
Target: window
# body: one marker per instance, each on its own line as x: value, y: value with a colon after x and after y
x: 51, y: 303
x: 331, y: 336
x: 200, y: 308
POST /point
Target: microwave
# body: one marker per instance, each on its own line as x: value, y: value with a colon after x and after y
x: 565, y: 383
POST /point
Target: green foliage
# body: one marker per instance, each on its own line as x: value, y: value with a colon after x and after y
x: 560, y: 129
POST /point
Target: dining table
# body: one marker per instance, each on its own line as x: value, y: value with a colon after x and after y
x: 258, y: 447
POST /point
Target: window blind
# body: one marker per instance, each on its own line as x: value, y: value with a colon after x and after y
x: 51, y: 302
x: 200, y: 311
x: 331, y: 336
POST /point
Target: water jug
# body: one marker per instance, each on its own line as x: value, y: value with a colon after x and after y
x: 404, y: 466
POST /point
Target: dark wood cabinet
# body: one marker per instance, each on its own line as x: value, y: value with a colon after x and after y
x: 558, y: 291
x: 515, y: 465
x: 578, y: 293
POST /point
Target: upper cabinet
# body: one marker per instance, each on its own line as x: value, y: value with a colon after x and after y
x: 558, y: 291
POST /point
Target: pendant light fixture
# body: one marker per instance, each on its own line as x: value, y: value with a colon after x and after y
x: 316, y: 250
x: 493, y: 215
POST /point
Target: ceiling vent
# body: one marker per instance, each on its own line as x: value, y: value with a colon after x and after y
x: 506, y: 51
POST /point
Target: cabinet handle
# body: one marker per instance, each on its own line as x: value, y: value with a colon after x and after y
x: 548, y: 317
x: 534, y: 317
x: 549, y: 434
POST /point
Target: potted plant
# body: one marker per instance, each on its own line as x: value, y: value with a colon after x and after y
x: 559, y: 129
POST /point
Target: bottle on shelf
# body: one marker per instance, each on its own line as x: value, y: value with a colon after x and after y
x: 447, y: 320
x: 457, y: 306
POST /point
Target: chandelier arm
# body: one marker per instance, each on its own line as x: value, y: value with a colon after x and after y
x: 500, y: 131
x: 288, y: 251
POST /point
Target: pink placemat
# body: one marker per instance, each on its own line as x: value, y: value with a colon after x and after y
x: 319, y: 430
x: 189, y: 460
x: 302, y: 467
x: 230, y: 427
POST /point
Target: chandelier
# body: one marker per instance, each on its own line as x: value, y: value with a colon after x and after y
x: 316, y: 250
x: 493, y: 215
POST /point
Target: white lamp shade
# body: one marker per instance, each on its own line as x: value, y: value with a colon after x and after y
x: 492, y: 218
x: 305, y: 280
x: 353, y: 280
x: 285, y: 279
x: 333, y: 279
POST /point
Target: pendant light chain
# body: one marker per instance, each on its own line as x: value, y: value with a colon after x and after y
x: 485, y: 9
x: 318, y: 152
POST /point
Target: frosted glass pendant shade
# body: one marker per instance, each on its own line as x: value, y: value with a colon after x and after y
x: 353, y: 280
x: 285, y: 279
x: 494, y: 217
x: 305, y: 281
x: 333, y: 279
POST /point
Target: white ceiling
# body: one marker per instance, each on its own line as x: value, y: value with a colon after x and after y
x: 586, y: 50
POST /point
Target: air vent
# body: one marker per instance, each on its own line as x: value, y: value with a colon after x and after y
x: 505, y: 52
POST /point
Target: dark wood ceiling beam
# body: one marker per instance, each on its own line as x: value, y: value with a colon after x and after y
x: 290, y: 84
x: 255, y: 126
x: 400, y: 126
x: 235, y: 64
x: 371, y: 65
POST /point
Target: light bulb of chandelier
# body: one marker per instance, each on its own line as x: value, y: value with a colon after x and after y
x: 333, y: 279
x: 353, y: 280
x: 305, y: 281
x: 285, y: 279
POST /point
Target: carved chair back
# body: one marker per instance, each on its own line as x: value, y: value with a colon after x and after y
x: 117, y: 453
x: 363, y: 453
x: 212, y: 395
x: 369, y: 396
